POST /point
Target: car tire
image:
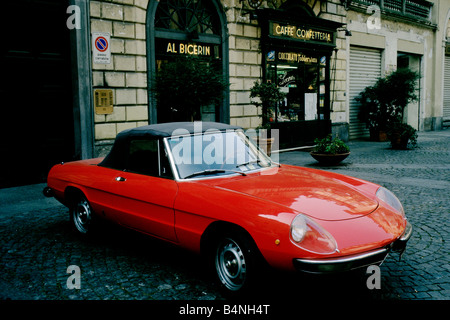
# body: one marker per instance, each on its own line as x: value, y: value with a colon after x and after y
x: 234, y: 258
x: 81, y: 215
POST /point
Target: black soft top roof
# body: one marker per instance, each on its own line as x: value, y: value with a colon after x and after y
x: 117, y: 157
x: 176, y: 128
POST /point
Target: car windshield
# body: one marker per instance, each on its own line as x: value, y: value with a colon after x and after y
x: 216, y: 153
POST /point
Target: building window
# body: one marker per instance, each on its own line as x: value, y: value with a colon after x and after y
x: 187, y: 29
x: 303, y: 77
x: 187, y: 16
x: 415, y: 9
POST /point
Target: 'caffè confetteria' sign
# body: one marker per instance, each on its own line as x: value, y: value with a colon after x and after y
x: 303, y: 33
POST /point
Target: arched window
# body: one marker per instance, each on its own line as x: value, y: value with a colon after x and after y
x: 187, y: 29
x: 191, y: 16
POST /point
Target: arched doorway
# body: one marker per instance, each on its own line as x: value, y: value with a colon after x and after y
x: 187, y: 29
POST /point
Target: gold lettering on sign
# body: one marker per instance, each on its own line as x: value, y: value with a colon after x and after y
x: 296, y: 57
x: 189, y: 49
x: 171, y: 48
x: 301, y: 33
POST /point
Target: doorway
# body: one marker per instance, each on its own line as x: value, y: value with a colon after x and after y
x: 37, y: 124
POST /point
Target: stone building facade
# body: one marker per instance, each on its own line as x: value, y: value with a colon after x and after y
x: 375, y: 30
x: 321, y: 53
x: 128, y: 74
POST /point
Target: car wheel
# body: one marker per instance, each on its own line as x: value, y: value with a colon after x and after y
x: 81, y: 215
x: 234, y: 262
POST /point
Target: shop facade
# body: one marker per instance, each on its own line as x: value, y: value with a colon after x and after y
x: 290, y: 43
x: 296, y: 48
x: 321, y: 53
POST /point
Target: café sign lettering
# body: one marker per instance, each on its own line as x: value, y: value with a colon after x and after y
x: 187, y: 48
x: 296, y: 57
x: 301, y: 33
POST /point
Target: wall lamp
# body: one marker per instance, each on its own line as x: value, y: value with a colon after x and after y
x: 348, y: 33
x: 251, y: 13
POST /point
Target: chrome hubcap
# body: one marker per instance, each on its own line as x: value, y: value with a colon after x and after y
x: 82, y: 216
x: 230, y: 265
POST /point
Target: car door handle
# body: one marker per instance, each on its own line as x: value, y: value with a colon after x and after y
x: 121, y: 179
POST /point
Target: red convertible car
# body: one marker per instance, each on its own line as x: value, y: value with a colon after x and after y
x: 207, y: 187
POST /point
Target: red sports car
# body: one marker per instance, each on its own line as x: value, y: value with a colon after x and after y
x: 206, y: 187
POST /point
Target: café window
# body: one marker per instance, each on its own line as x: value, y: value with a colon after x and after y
x: 302, y: 76
x: 297, y: 47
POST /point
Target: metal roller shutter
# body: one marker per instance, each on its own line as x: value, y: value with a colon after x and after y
x: 365, y: 70
x: 447, y: 90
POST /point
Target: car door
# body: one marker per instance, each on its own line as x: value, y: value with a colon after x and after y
x: 146, y: 190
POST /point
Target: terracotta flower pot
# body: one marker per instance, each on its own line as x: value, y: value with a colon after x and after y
x: 265, y: 144
x: 329, y: 159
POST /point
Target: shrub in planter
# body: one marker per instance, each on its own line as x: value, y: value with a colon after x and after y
x: 386, y: 100
x: 401, y: 135
x: 269, y: 95
x: 329, y: 150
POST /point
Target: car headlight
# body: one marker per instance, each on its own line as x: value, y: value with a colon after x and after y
x: 390, y: 199
x: 310, y: 236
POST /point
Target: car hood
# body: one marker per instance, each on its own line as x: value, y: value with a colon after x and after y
x: 315, y: 193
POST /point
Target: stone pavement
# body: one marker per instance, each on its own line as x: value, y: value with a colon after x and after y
x: 37, y: 244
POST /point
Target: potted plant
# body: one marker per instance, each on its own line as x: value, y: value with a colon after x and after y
x: 268, y: 95
x: 401, y: 135
x: 385, y: 101
x: 181, y: 87
x: 329, y: 150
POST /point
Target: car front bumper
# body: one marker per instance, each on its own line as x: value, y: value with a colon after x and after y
x: 352, y: 262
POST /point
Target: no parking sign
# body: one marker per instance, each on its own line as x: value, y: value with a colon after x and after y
x: 101, y: 48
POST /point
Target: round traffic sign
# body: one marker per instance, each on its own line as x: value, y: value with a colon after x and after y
x: 101, y: 44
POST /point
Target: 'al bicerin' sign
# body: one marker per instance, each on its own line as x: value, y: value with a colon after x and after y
x: 174, y: 47
x: 304, y: 33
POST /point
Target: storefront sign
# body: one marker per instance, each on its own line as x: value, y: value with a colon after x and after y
x: 187, y: 48
x: 295, y: 57
x: 303, y: 33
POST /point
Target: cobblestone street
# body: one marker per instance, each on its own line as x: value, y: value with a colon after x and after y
x: 37, y: 244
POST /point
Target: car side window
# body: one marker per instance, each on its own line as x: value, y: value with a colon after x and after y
x: 166, y: 170
x: 148, y: 157
x: 143, y: 157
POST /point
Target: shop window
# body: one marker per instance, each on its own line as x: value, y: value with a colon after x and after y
x: 303, y: 78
